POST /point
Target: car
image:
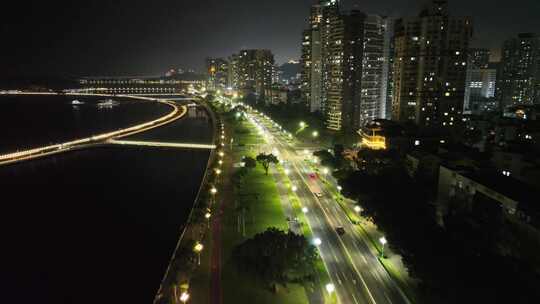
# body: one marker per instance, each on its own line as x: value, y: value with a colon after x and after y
x: 340, y: 230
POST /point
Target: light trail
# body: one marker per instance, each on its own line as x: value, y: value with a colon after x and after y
x: 161, y: 144
x: 18, y: 156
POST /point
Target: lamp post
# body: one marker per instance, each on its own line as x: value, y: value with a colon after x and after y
x: 317, y: 241
x: 208, y: 215
x: 383, y: 242
x: 213, y: 191
x: 184, y: 297
x: 330, y: 288
x: 198, y: 248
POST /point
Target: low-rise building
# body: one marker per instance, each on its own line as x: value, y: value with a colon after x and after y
x: 471, y: 186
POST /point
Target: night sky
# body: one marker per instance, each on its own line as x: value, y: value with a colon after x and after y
x: 98, y: 37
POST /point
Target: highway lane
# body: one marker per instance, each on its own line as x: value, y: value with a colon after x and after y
x: 352, y: 263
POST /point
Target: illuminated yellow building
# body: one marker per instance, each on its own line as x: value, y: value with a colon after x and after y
x: 372, y: 137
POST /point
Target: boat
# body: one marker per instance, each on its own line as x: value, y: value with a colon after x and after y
x: 107, y: 104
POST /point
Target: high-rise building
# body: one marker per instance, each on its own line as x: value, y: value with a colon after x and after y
x: 519, y: 72
x: 375, y: 69
x: 312, y: 61
x: 233, y: 76
x: 480, y: 82
x: 218, y: 72
x: 430, y: 66
x: 478, y: 58
x: 345, y: 66
x: 305, y: 61
x: 253, y: 71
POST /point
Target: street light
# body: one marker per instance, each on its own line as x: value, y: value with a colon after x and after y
x: 220, y: 162
x: 339, y: 188
x: 218, y: 171
x: 221, y: 154
x: 208, y: 215
x: 304, y: 210
x: 302, y: 124
x: 315, y: 134
x: 330, y: 287
x: 357, y: 209
x: 184, y: 297
x: 294, y: 188
x: 198, y: 248
x: 317, y: 241
x: 326, y: 171
x: 213, y: 190
x: 383, y: 242
x: 287, y: 171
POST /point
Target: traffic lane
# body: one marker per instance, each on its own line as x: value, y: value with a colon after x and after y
x: 374, y: 281
x: 363, y: 258
x: 358, y: 244
x: 337, y: 265
x: 345, y: 277
x: 376, y: 278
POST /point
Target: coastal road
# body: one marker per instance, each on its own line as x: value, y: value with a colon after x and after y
x: 351, y: 260
x: 176, y: 113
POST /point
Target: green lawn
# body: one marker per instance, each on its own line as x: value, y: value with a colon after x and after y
x: 264, y: 211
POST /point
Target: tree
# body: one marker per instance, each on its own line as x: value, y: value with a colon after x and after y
x: 249, y: 162
x: 277, y: 257
x: 326, y: 158
x: 266, y: 160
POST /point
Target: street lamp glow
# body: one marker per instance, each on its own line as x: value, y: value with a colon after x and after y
x: 208, y: 215
x: 339, y: 188
x: 304, y: 210
x: 287, y: 171
x: 330, y: 288
x: 213, y: 190
x: 184, y: 297
x: 302, y: 124
x: 315, y: 134
x: 198, y: 247
x: 294, y: 188
x: 218, y: 171
x: 317, y: 241
x: 357, y: 209
x: 220, y: 162
x: 326, y: 171
x: 383, y: 242
x: 221, y: 154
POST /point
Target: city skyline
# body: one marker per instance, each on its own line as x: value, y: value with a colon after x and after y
x: 100, y: 38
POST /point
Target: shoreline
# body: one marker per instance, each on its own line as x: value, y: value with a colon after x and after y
x: 95, y: 140
x: 188, y: 224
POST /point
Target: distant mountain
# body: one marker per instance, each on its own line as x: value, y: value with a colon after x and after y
x: 37, y: 82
